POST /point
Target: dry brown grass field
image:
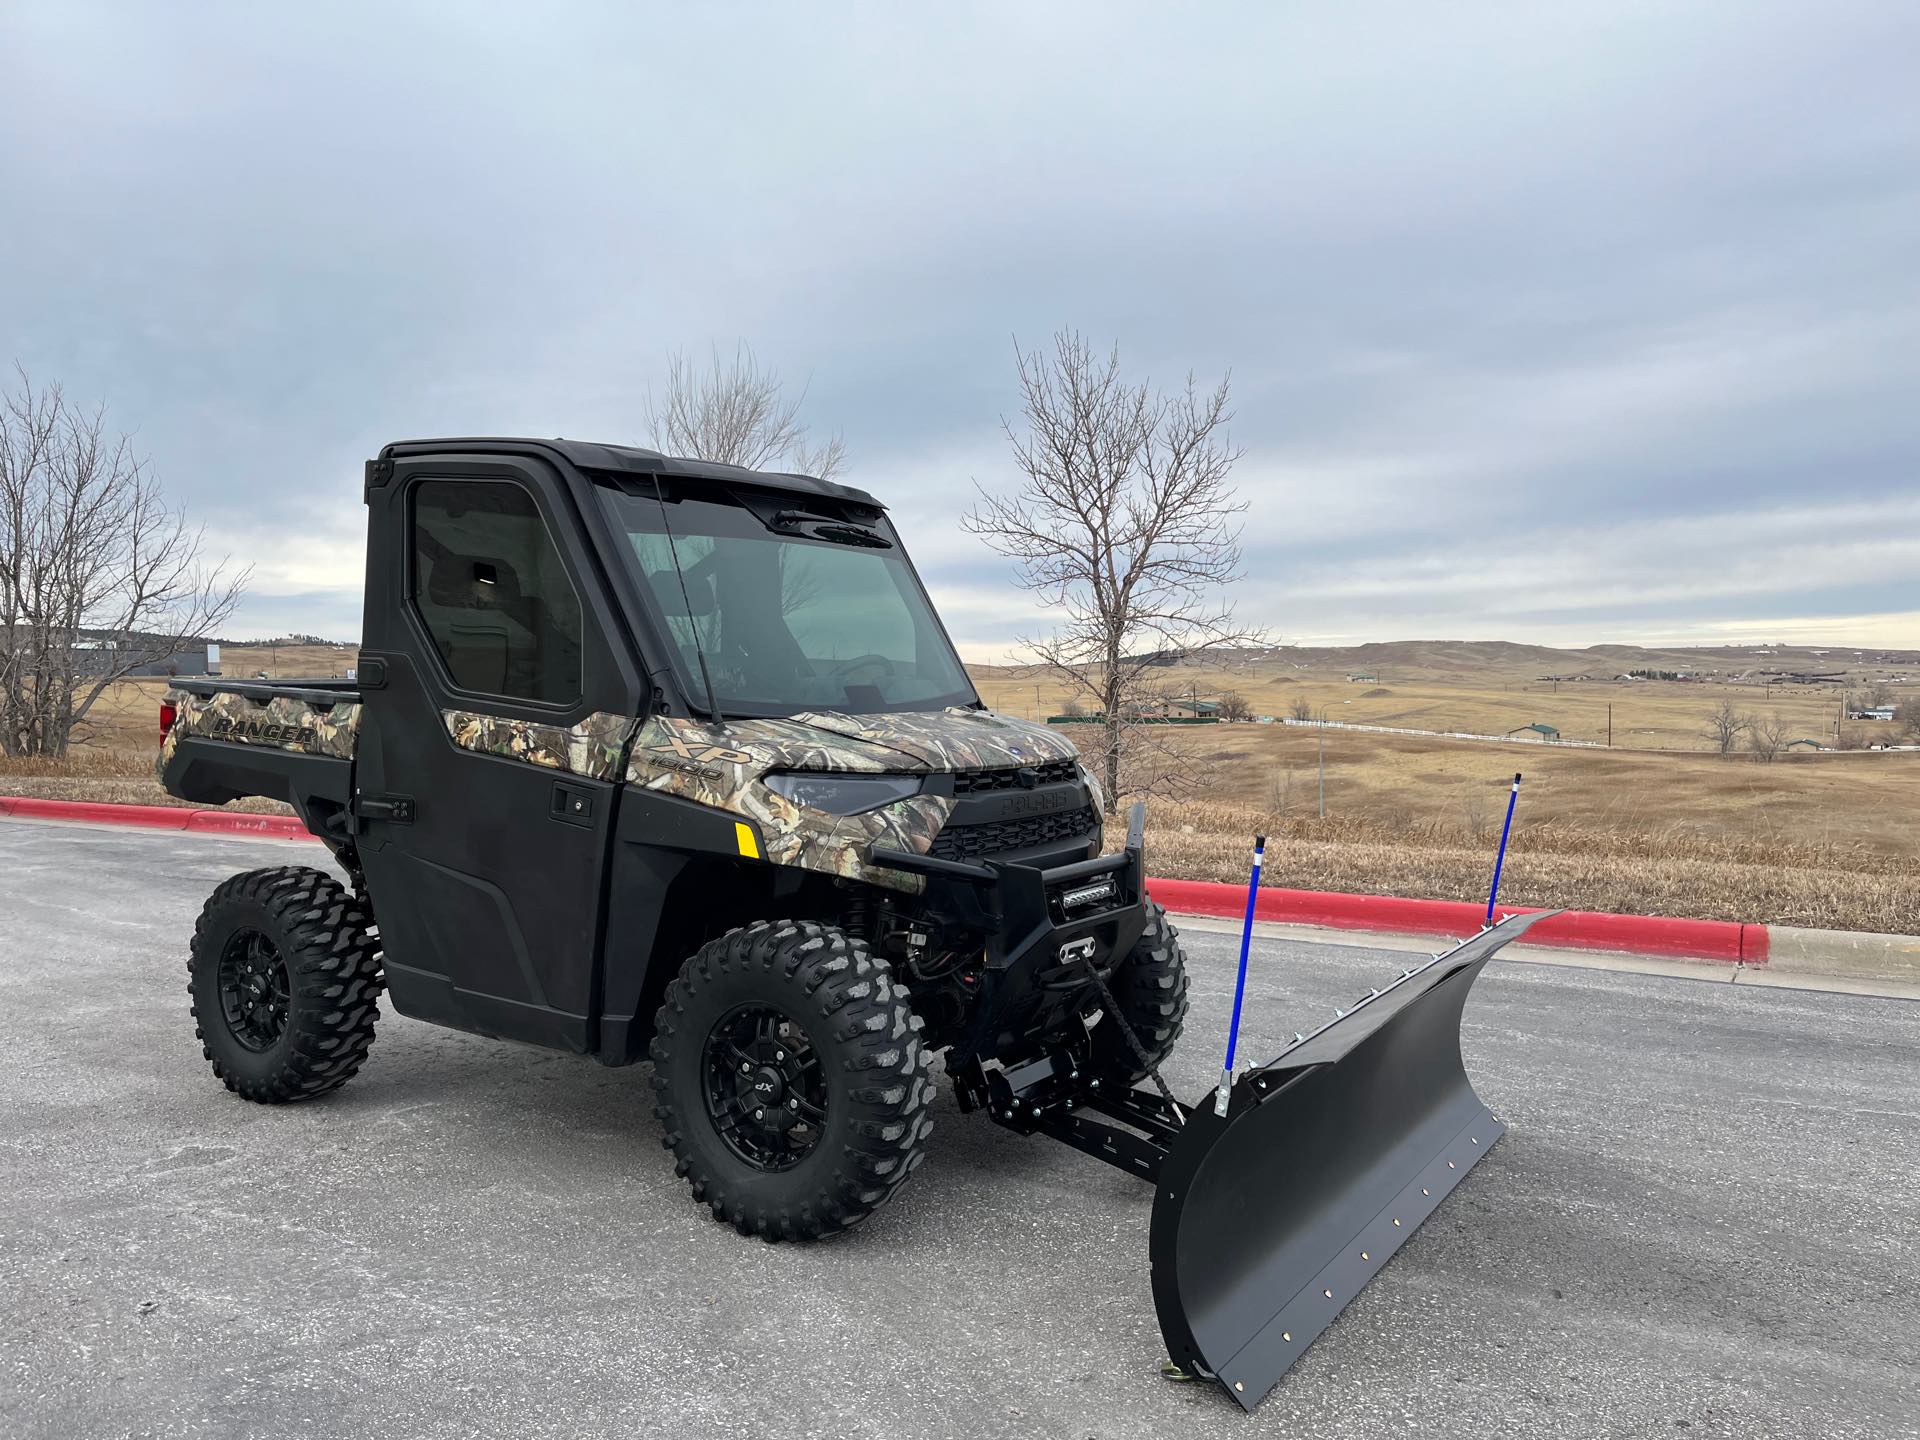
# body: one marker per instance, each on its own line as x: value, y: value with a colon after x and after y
x: 1657, y: 824
x: 1489, y: 696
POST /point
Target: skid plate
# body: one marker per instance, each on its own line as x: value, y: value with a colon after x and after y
x: 1267, y: 1222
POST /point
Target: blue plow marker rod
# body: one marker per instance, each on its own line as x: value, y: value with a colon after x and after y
x: 1513, y: 798
x: 1240, y: 984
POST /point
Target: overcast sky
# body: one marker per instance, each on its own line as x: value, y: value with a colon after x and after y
x: 1569, y: 322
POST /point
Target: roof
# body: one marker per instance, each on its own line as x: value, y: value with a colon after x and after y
x: 632, y: 460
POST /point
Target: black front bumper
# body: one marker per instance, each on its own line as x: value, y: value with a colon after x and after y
x: 1049, y: 932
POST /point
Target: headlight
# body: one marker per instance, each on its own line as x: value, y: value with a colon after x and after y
x: 842, y: 794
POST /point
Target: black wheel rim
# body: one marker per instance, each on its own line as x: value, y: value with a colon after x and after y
x: 766, y: 1089
x: 254, y: 991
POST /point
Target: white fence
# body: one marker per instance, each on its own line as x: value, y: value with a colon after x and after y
x: 1443, y: 734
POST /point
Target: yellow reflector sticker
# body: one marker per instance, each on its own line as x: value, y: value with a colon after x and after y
x: 743, y: 833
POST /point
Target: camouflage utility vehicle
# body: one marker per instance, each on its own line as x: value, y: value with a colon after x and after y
x: 658, y: 759
x: 655, y: 758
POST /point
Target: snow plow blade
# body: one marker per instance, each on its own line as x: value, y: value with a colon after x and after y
x: 1267, y: 1222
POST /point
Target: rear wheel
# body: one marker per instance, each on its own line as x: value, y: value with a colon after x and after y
x: 1150, y: 990
x: 791, y: 1079
x: 285, y: 983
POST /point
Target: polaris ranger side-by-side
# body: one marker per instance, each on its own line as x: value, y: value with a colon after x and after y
x: 651, y: 758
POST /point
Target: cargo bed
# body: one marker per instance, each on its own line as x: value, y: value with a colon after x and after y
x: 289, y: 740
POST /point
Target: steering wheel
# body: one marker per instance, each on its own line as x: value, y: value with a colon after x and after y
x: 861, y: 662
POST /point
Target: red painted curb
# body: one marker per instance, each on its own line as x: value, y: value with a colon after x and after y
x: 1575, y: 929
x: 229, y: 822
x: 154, y: 817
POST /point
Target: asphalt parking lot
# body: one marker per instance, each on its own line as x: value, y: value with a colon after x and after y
x: 1703, y: 1221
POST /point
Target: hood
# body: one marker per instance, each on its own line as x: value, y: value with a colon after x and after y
x: 723, y: 766
x: 945, y: 740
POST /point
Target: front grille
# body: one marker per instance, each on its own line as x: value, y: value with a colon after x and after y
x: 976, y: 842
x: 1054, y: 772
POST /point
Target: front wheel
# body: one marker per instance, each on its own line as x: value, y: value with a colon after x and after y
x: 1150, y: 988
x: 791, y: 1079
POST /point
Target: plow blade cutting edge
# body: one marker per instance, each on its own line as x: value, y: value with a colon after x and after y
x: 1269, y: 1220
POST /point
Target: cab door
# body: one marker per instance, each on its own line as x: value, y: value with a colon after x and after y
x: 500, y: 694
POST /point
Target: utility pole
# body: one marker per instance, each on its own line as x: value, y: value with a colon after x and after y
x: 1609, y: 725
x: 1323, y: 762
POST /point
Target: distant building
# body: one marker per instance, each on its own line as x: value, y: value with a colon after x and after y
x: 1363, y: 677
x: 104, y: 657
x: 1871, y: 712
x: 1804, y: 744
x: 1174, y: 710
x: 1544, y: 731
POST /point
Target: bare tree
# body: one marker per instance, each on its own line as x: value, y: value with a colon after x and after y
x: 1301, y: 709
x: 1725, y: 726
x: 98, y: 574
x: 1474, y: 818
x: 1283, y: 792
x: 736, y: 411
x: 1767, y: 737
x: 1233, y: 706
x: 1126, y: 525
x: 1906, y: 715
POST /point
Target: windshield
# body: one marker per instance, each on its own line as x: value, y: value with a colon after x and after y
x: 787, y: 622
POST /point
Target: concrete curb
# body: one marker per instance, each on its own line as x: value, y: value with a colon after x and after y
x: 1786, y: 948
x: 1801, y: 951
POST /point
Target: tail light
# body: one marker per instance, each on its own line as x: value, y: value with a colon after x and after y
x: 168, y: 713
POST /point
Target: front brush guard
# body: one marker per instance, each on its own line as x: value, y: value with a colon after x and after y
x: 1269, y: 1220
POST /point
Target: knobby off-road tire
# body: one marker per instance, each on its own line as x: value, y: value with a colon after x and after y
x: 867, y: 1075
x: 285, y: 983
x: 1150, y: 988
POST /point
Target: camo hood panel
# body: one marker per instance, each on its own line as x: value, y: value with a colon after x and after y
x: 723, y: 766
x: 592, y: 748
x: 306, y: 727
x: 955, y: 739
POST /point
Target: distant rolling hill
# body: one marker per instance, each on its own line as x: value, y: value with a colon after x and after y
x: 1478, y: 660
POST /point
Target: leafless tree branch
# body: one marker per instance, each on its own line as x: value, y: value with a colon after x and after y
x: 736, y: 411
x: 1126, y: 525
x: 1725, y: 726
x: 1767, y: 737
x: 98, y: 574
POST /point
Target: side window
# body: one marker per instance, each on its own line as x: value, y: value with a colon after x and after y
x: 491, y: 590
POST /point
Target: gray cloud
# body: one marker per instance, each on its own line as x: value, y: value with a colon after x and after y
x: 1572, y: 322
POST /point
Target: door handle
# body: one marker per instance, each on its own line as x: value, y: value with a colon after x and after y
x: 571, y: 804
